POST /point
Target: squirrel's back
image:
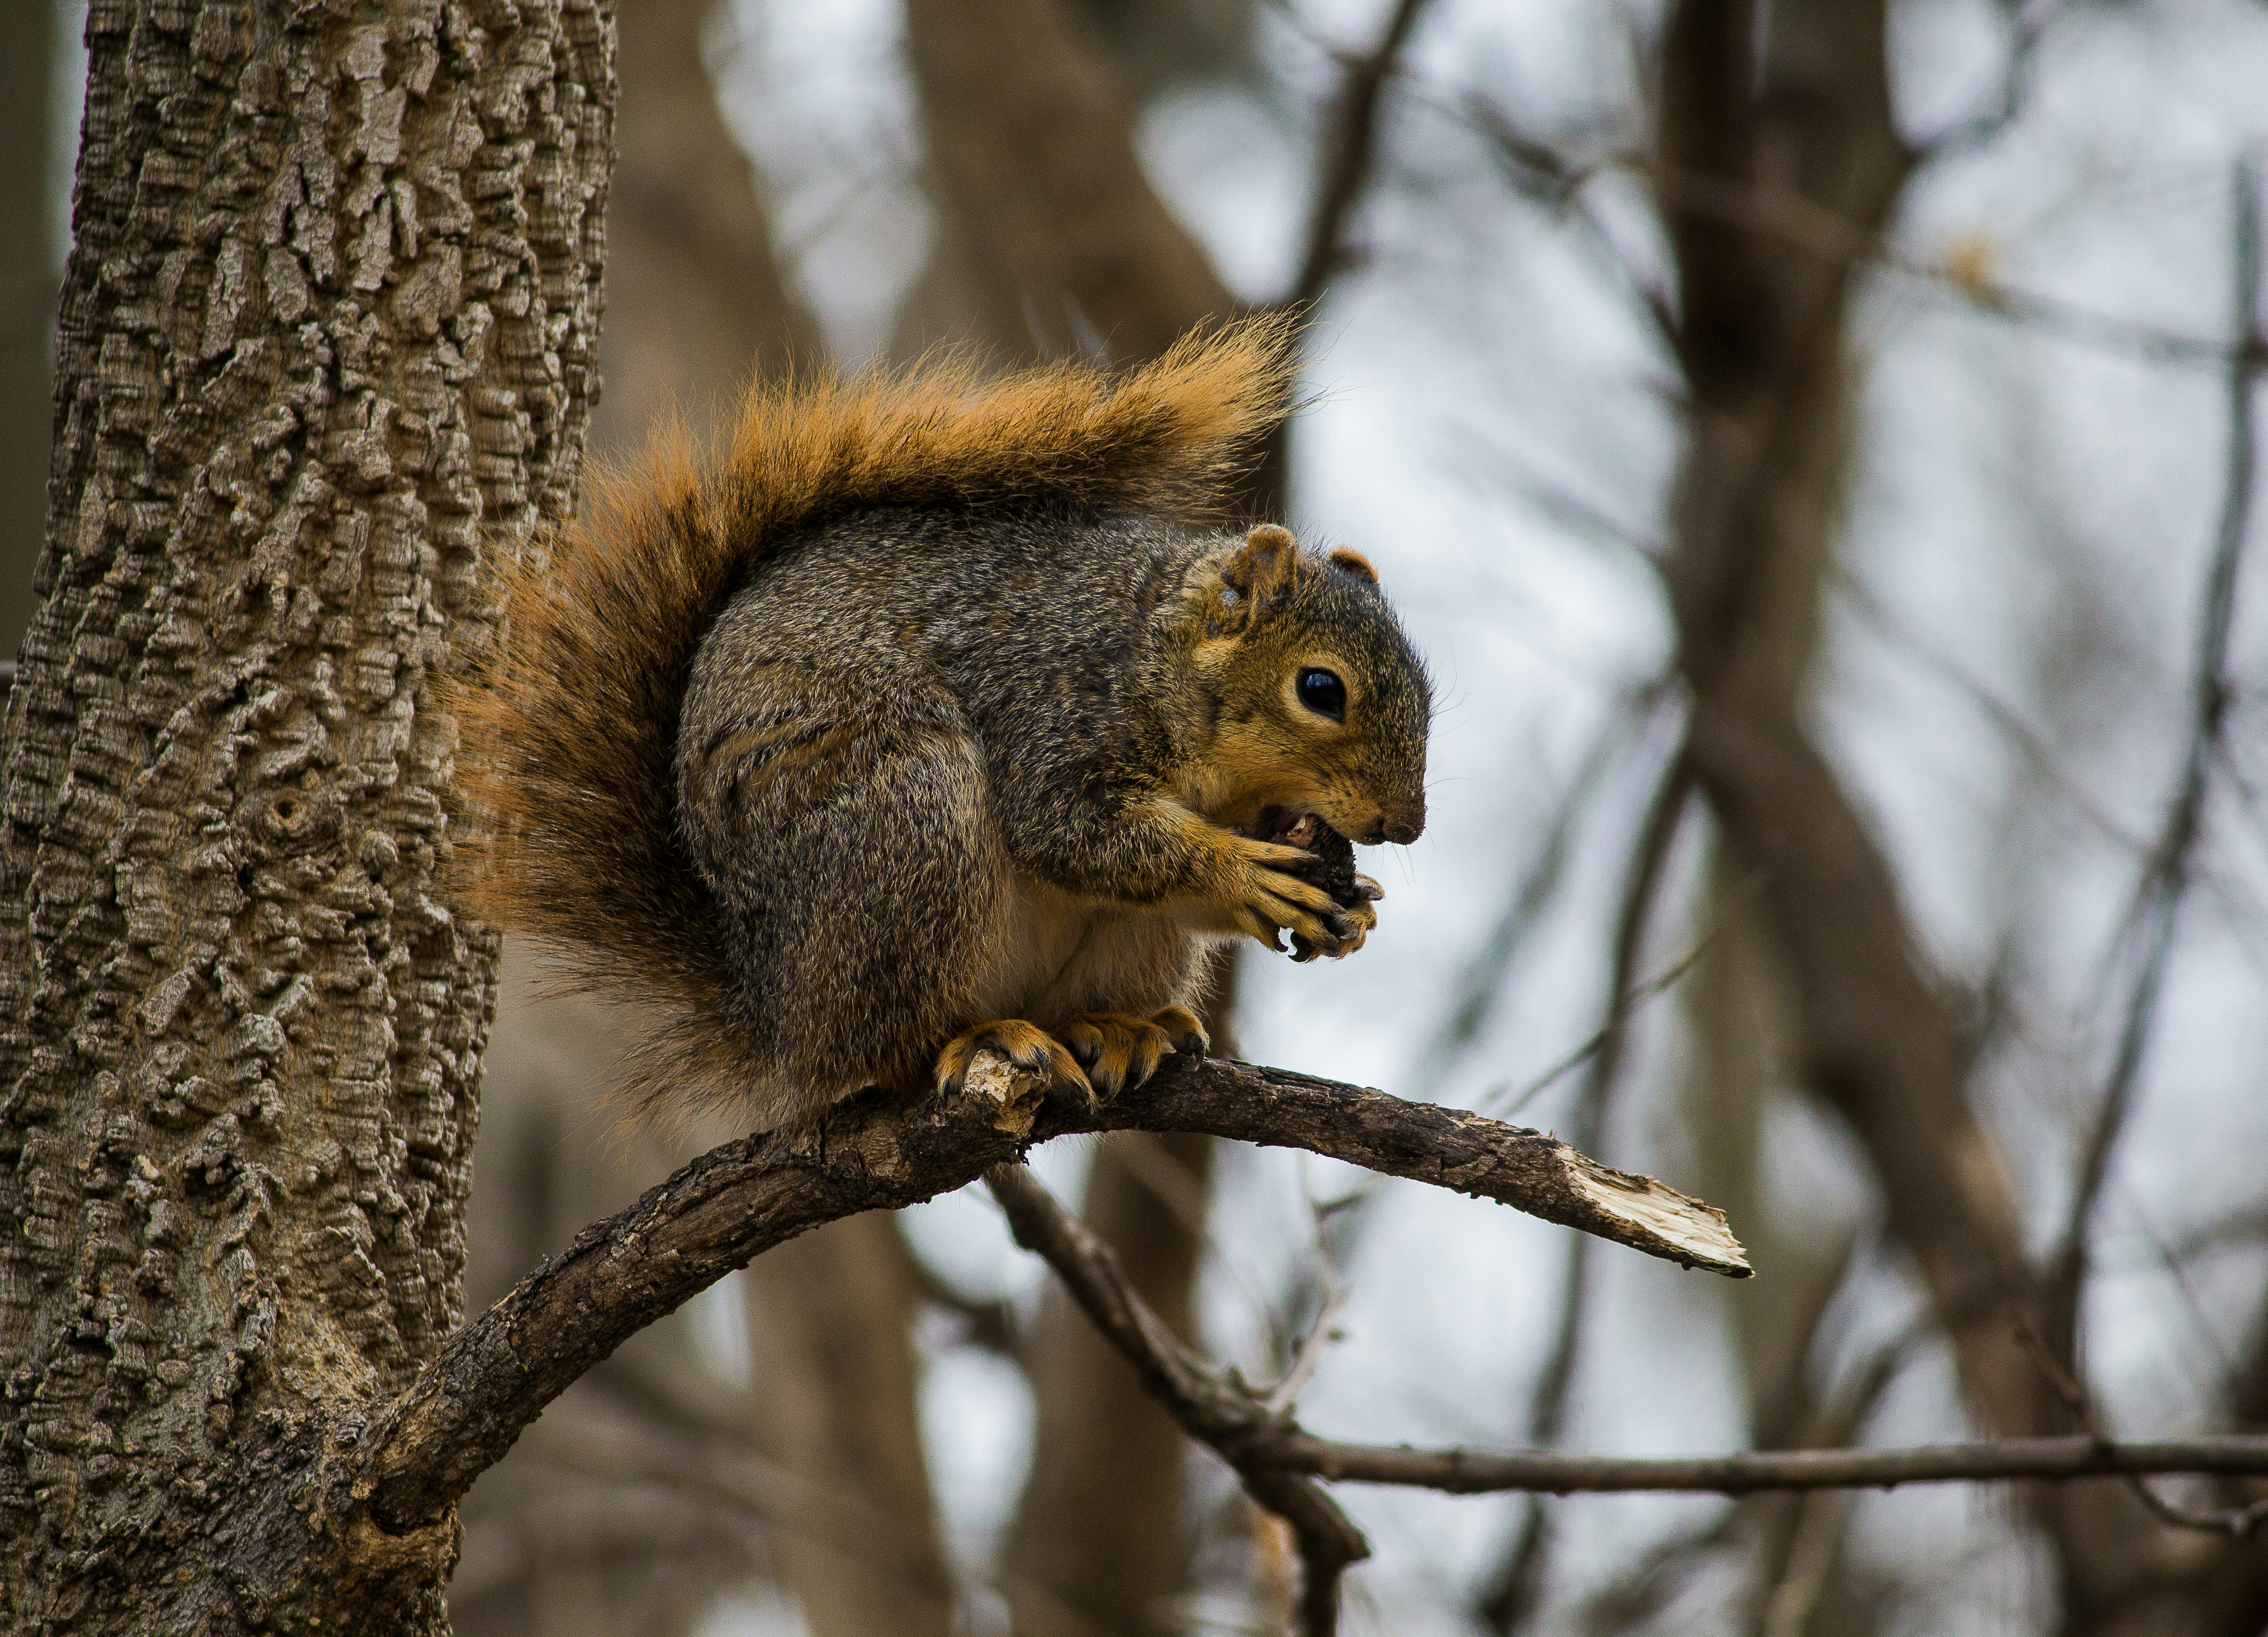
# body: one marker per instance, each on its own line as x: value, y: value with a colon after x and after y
x: 569, y: 722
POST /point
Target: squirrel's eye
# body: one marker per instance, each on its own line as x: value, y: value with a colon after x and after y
x: 1323, y: 693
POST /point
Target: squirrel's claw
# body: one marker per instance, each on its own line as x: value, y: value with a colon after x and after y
x: 1026, y: 1044
x: 1184, y: 1029
x: 1118, y: 1051
x: 1255, y: 926
x: 1274, y: 898
x: 1359, y: 920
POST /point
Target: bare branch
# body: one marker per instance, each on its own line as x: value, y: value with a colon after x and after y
x: 494, y: 1376
x: 1481, y: 986
x: 2237, y: 1521
x: 2031, y: 21
x: 1504, y: 1103
x: 1353, y: 146
x: 1820, y: 233
x: 1796, y: 221
x: 2006, y: 718
x: 1517, y: 1591
x: 2166, y: 879
x: 1271, y: 1453
x: 2054, y: 1460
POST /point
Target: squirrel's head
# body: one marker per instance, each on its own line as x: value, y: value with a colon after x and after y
x: 1315, y: 701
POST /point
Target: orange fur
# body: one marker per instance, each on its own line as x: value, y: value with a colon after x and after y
x: 567, y: 722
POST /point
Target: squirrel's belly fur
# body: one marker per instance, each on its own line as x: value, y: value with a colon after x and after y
x: 1058, y: 957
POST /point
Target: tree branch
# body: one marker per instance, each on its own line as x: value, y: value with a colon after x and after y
x: 1352, y: 152
x: 1277, y: 1459
x: 421, y: 1453
x: 2054, y: 1460
x: 1516, y: 1593
x: 1216, y: 1411
x: 2166, y: 879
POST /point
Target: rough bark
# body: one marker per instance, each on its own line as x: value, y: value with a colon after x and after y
x: 327, y: 337
x: 28, y: 308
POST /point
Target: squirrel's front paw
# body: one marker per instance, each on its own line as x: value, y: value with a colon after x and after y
x: 1120, y: 1052
x: 1026, y: 1044
x: 1361, y: 920
x: 1272, y: 896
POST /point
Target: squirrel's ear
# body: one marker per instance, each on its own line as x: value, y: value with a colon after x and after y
x: 1261, y: 569
x: 1354, y: 562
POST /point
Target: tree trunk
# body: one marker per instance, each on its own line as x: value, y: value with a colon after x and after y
x: 327, y: 337
x: 27, y: 307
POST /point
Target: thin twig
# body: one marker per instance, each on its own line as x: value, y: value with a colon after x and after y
x: 1558, y: 184
x: 1277, y: 1459
x: 2237, y: 1521
x: 2156, y: 909
x: 1540, y: 172
x: 1800, y: 223
x: 1482, y: 985
x: 1284, y: 1396
x: 2031, y: 22
x: 1353, y: 147
x: 1216, y: 1410
x: 1504, y: 1103
x: 2011, y: 722
x: 1515, y: 1591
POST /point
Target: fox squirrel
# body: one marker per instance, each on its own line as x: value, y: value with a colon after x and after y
x: 943, y: 716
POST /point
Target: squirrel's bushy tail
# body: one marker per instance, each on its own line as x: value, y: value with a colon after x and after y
x: 568, y: 719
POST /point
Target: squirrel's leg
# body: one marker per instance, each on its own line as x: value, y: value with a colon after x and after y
x: 841, y: 815
x: 1119, y: 1051
x: 1149, y: 850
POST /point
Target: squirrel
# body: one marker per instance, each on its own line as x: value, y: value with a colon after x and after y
x: 943, y: 714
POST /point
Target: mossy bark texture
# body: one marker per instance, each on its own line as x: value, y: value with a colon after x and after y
x: 327, y: 339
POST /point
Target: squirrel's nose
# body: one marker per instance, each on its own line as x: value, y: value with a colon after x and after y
x: 1404, y: 827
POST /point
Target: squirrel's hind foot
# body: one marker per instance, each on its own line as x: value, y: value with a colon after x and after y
x: 1026, y: 1044
x: 1183, y: 1027
x: 1119, y: 1051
